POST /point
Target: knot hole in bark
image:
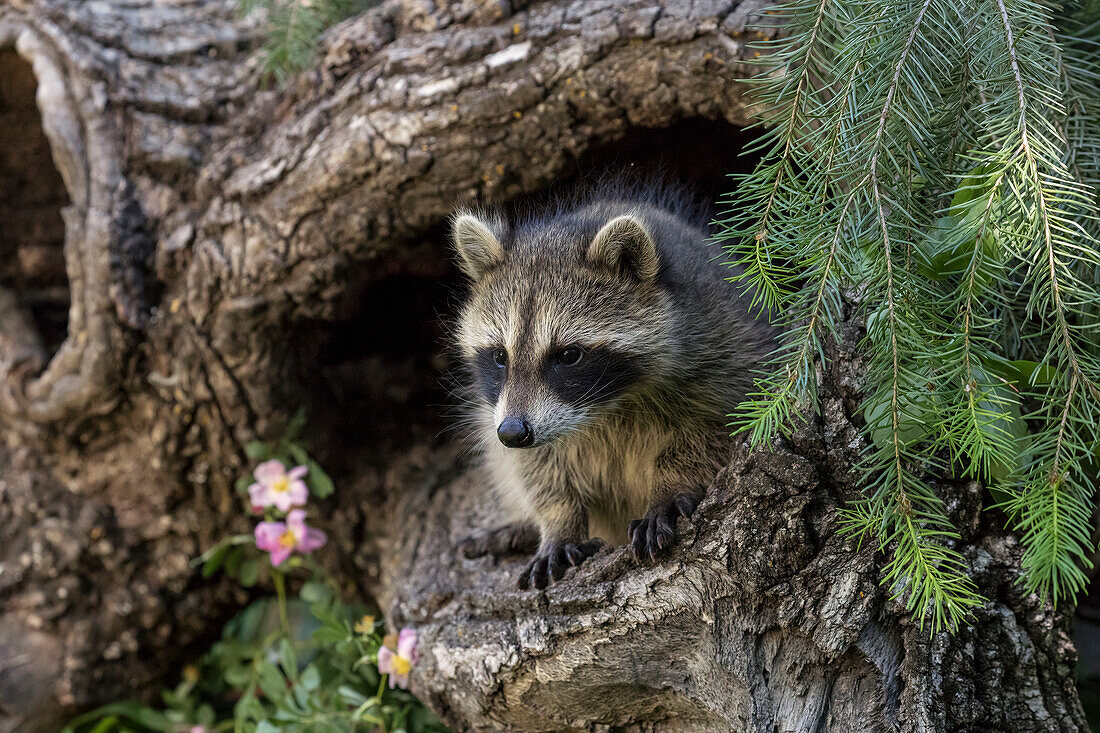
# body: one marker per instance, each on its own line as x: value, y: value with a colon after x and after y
x: 34, y: 287
x: 73, y: 252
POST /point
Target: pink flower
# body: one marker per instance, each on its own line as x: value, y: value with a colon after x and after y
x: 277, y: 487
x: 283, y: 538
x: 398, y: 662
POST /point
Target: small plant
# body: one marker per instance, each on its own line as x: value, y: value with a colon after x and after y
x: 292, y: 28
x: 309, y: 663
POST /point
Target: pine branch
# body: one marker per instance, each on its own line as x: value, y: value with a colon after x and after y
x: 1054, y: 506
x: 760, y: 255
x: 977, y: 295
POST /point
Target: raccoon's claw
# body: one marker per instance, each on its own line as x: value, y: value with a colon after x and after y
x: 554, y: 559
x: 511, y: 539
x: 654, y: 534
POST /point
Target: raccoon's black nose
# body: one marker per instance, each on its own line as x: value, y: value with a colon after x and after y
x: 514, y: 432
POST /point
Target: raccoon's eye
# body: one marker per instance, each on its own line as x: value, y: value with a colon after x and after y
x: 500, y: 357
x: 570, y: 355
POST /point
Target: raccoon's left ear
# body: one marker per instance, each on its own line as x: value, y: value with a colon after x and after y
x: 477, y: 243
x: 624, y: 246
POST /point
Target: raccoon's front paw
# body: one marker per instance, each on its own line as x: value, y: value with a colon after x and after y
x: 652, y: 535
x: 554, y: 559
x: 511, y: 539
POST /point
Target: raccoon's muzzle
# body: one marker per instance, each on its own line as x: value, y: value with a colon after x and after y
x: 516, y: 432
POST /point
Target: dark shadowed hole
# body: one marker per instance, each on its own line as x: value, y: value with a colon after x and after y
x: 375, y: 370
x: 32, y: 195
x: 378, y: 370
x: 696, y: 153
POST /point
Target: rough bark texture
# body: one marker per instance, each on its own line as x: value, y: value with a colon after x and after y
x: 227, y: 253
x: 765, y: 618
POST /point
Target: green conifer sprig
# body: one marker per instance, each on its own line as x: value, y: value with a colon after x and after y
x: 293, y: 27
x: 939, y: 157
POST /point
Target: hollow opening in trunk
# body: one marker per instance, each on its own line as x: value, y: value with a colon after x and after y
x: 379, y: 370
x: 696, y: 153
x: 32, y: 195
x: 375, y: 371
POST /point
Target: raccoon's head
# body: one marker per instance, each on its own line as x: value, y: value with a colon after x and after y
x: 565, y: 318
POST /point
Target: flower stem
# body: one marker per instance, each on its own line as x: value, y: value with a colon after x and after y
x: 378, y: 698
x: 280, y: 591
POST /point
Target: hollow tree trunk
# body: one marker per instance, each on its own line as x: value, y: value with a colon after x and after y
x: 211, y: 229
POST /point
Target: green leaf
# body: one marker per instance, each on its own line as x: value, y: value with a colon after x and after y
x: 214, y: 561
x: 975, y: 185
x: 298, y: 453
x: 205, y: 715
x: 237, y: 676
x: 914, y: 421
x: 249, y: 572
x: 314, y: 592
x: 249, y: 708
x: 1014, y: 426
x: 288, y: 659
x: 213, y: 558
x: 295, y: 425
x: 105, y: 725
x: 311, y: 678
x: 328, y: 635
x: 241, y: 484
x: 258, y: 451
x: 119, y: 711
x: 319, y: 482
x: 233, y: 561
x: 351, y: 696
x: 1027, y: 373
x: 272, y: 682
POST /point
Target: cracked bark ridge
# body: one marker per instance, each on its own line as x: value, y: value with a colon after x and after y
x: 211, y: 222
x: 766, y: 617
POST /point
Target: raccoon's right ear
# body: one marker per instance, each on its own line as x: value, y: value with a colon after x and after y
x: 477, y: 243
x: 623, y: 245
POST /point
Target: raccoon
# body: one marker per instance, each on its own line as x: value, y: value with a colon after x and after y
x: 605, y: 348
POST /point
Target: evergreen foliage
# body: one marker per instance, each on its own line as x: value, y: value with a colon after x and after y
x: 938, y: 161
x: 292, y: 28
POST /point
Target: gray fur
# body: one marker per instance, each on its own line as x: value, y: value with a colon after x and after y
x: 682, y: 341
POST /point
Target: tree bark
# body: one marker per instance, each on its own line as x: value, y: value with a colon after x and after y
x: 765, y: 618
x: 228, y: 253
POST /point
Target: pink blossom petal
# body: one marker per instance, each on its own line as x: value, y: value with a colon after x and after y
x: 399, y: 680
x: 298, y: 472
x: 269, y: 471
x: 298, y: 493
x: 406, y: 644
x: 258, y: 495
x: 385, y: 660
x: 268, y: 534
x: 279, y: 554
x: 311, y: 540
x: 296, y: 520
x: 282, y: 500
